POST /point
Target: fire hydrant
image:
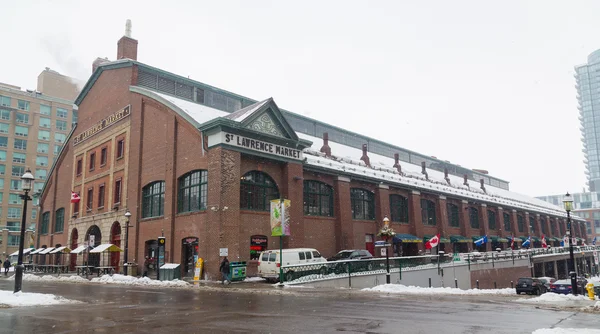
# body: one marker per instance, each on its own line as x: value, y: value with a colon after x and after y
x: 590, y: 289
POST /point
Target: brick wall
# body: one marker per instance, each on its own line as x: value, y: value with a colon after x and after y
x: 501, y: 276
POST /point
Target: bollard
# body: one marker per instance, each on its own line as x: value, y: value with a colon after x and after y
x: 512, y: 284
x: 430, y: 282
x: 477, y: 282
x: 456, y: 283
x: 495, y: 286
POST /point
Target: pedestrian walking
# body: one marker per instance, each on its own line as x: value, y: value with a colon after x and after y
x: 224, y: 268
x: 6, y: 267
x: 146, y: 267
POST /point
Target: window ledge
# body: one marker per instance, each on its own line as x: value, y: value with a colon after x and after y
x: 92, y: 169
x: 143, y: 220
x: 61, y: 232
x: 121, y: 157
x: 102, y: 165
x: 189, y: 213
x: 319, y: 217
x: 364, y: 220
x: 254, y: 212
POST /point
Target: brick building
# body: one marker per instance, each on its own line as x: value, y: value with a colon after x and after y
x: 199, y: 165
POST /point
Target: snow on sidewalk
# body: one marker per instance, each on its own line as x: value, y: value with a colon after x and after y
x: 416, y: 290
x: 31, y: 299
x: 566, y: 331
x: 130, y: 280
x: 50, y: 278
x: 556, y: 299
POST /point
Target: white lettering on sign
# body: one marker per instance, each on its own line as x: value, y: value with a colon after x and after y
x: 261, y: 146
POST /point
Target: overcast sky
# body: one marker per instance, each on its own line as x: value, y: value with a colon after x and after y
x: 481, y: 85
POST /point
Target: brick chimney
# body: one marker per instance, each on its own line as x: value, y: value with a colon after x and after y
x: 127, y: 46
x: 446, y: 176
x: 325, y: 148
x: 397, y: 163
x: 424, y: 170
x: 482, y: 185
x: 365, y: 157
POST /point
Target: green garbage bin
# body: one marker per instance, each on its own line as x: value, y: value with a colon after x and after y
x: 169, y: 272
x: 237, y: 271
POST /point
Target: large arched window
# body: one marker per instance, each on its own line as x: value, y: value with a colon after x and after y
x: 521, y: 223
x: 257, y: 189
x: 363, y: 204
x: 553, y: 227
x: 399, y: 208
x: 453, y: 216
x: 532, y: 225
x: 491, y: 219
x: 59, y: 222
x: 543, y: 225
x: 45, y: 223
x: 506, y: 221
x: 428, y: 212
x: 192, y: 191
x: 318, y: 199
x: 474, y: 217
x: 153, y: 199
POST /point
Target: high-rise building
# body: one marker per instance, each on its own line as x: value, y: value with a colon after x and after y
x: 33, y: 128
x: 588, y: 96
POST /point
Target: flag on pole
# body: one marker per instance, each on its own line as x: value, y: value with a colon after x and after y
x: 433, y: 242
x: 527, y: 242
x: 594, y: 241
x: 565, y: 242
x: 544, y: 244
x: 481, y: 241
x: 512, y: 243
x: 75, y: 197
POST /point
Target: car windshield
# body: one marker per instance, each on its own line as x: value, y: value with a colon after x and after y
x: 563, y: 281
x: 342, y: 255
x: 525, y: 280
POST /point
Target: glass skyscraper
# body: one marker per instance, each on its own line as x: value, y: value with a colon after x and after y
x: 588, y: 96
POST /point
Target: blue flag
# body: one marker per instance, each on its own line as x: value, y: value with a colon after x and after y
x: 481, y: 241
x: 594, y: 241
x: 527, y: 242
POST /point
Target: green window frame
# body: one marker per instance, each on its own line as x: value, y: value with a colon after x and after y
x: 532, y: 225
x: 3, y: 141
x: 521, y: 223
x: 61, y: 125
x: 23, y: 105
x: 192, y: 193
x: 45, y: 223
x: 5, y: 101
x: 20, y: 144
x: 491, y: 220
x: 473, y: 217
x: 363, y: 204
x: 257, y: 190
x: 22, y: 118
x: 4, y: 128
x: 61, y: 112
x: 543, y: 225
x: 398, y: 208
x: 153, y: 199
x: 428, y: 212
x: 506, y: 217
x: 59, y: 224
x: 318, y: 199
x: 5, y: 114
x: 453, y: 215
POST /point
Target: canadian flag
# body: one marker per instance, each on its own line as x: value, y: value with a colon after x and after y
x: 544, y: 244
x: 75, y: 197
x: 512, y: 242
x: 433, y: 242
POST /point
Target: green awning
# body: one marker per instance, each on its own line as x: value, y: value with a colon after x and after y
x: 496, y: 238
x: 536, y: 239
x: 429, y: 236
x: 408, y: 238
x: 477, y: 237
x: 554, y: 239
x: 459, y: 239
x: 523, y: 239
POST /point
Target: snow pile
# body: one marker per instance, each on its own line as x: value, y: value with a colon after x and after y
x: 254, y: 279
x: 416, y: 290
x: 556, y: 299
x: 30, y: 299
x: 130, y: 280
x: 566, y: 331
x: 49, y: 278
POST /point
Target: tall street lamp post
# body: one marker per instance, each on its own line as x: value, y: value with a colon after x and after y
x: 568, y: 202
x: 27, y: 180
x: 127, y: 226
x: 387, y: 232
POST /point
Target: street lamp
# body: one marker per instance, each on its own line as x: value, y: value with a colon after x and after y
x: 27, y: 180
x: 387, y: 232
x: 568, y: 202
x: 127, y: 226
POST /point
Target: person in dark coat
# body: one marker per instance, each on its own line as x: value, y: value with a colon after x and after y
x: 224, y: 268
x: 6, y: 267
x: 146, y: 267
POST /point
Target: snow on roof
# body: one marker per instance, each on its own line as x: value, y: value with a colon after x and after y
x: 198, y: 112
x: 242, y: 114
x: 106, y: 247
x: 347, y: 159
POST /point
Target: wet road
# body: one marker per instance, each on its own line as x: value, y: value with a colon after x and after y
x: 264, y: 309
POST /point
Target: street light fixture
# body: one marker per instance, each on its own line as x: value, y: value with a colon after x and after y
x: 27, y: 180
x: 387, y: 232
x: 568, y: 202
x: 127, y: 226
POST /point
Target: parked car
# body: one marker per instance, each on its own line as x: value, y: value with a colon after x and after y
x: 564, y: 286
x: 530, y: 286
x: 547, y: 281
x: 268, y: 263
x: 352, y: 254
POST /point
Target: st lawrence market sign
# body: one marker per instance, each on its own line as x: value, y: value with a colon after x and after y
x: 103, y: 124
x: 261, y: 146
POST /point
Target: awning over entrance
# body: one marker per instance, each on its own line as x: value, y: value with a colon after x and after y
x: 536, y: 239
x: 408, y: 238
x: 496, y: 238
x: 429, y: 236
x: 78, y: 249
x: 459, y: 239
x: 38, y: 250
x: 63, y: 249
x: 106, y: 247
x: 25, y: 251
x: 46, y: 251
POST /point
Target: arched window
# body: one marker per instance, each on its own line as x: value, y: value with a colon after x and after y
x: 491, y: 219
x: 45, y: 223
x: 562, y: 228
x: 543, y: 225
x: 59, y: 222
x: 192, y: 191
x: 399, y: 208
x: 553, y: 227
x: 363, y: 204
x: 318, y: 199
x: 453, y: 216
x: 532, y: 225
x: 257, y: 189
x: 506, y: 221
x: 153, y: 199
x: 521, y: 223
x: 474, y: 217
x: 428, y: 212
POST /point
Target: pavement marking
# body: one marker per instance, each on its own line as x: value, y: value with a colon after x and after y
x: 146, y: 291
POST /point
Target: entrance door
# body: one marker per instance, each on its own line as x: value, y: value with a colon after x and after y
x: 189, y: 255
x: 115, y: 239
x: 74, y: 244
x: 370, y: 244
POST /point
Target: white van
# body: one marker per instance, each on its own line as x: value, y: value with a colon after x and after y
x: 268, y: 265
